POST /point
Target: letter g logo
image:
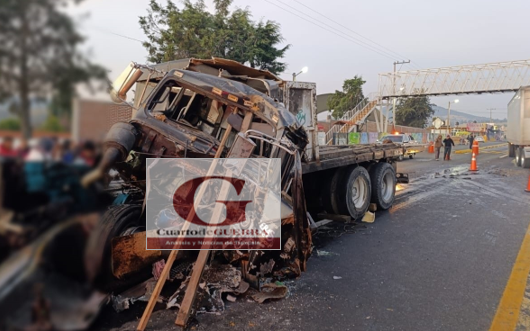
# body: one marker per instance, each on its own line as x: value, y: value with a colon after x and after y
x: 184, y: 197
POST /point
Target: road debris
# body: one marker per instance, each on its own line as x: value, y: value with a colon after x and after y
x: 368, y: 217
x: 214, y: 283
x: 325, y: 253
x: 271, y: 291
x: 140, y: 292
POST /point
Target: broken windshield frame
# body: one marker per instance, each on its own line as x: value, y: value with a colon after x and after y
x: 173, y: 107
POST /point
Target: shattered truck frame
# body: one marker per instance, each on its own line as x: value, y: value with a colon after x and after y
x: 182, y: 109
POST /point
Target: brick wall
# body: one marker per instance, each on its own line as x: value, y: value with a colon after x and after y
x: 92, y: 119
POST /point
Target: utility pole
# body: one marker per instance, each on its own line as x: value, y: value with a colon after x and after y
x: 394, y: 92
x: 449, y: 116
x: 490, y: 109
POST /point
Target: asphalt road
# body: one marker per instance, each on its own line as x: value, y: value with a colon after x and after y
x: 439, y: 259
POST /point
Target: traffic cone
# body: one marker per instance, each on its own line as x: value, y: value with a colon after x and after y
x: 431, y: 147
x: 528, y: 185
x: 473, y: 163
x: 475, y: 148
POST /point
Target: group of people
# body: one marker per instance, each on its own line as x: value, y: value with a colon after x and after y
x: 448, y: 144
x: 51, y: 149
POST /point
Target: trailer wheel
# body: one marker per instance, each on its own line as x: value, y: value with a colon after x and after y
x: 518, y: 157
x: 511, y: 150
x: 525, y: 163
x: 116, y: 221
x: 356, y: 192
x: 332, y: 191
x: 383, y: 178
x: 411, y: 156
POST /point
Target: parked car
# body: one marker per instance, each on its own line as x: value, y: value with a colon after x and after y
x: 479, y: 139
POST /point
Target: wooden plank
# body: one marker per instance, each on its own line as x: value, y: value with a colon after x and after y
x: 191, y: 291
x: 247, y: 120
x: 156, y: 291
x: 173, y: 255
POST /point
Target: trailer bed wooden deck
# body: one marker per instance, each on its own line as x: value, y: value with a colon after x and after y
x: 338, y: 156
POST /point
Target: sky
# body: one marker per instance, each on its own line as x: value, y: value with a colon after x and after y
x: 430, y: 34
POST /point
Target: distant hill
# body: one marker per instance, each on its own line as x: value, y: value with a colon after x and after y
x: 461, y: 117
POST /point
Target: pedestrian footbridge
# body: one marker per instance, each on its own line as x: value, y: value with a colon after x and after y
x: 499, y: 77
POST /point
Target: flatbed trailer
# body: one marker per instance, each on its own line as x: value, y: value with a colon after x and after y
x: 340, y: 156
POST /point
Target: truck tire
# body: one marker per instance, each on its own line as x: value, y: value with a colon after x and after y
x: 525, y: 162
x: 116, y: 220
x: 518, y: 157
x: 356, y: 192
x: 411, y: 156
x: 511, y: 150
x: 383, y: 178
x: 331, y: 191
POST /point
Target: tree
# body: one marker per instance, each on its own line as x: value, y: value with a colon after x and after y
x: 10, y: 124
x: 414, y: 111
x: 350, y: 96
x: 39, y: 56
x: 52, y: 124
x: 192, y: 31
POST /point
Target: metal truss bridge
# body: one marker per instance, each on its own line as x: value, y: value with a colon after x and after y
x: 467, y: 79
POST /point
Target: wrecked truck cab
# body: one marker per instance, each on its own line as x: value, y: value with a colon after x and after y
x: 200, y: 101
x: 186, y: 114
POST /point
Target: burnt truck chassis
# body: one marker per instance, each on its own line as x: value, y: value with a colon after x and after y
x: 184, y: 115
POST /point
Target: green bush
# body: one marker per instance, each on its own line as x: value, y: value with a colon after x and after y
x: 11, y: 124
x: 52, y: 124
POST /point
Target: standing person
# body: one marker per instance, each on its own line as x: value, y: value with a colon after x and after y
x: 448, y: 143
x: 471, y: 138
x: 67, y: 155
x: 6, y: 147
x: 87, y: 155
x: 40, y: 150
x: 437, y: 146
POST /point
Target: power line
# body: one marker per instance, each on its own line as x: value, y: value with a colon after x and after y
x: 335, y: 33
x: 358, y: 34
x: 355, y: 40
x: 116, y: 34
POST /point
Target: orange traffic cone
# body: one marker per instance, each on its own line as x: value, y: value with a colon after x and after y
x: 528, y: 185
x: 475, y: 148
x: 431, y: 147
x: 473, y: 163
